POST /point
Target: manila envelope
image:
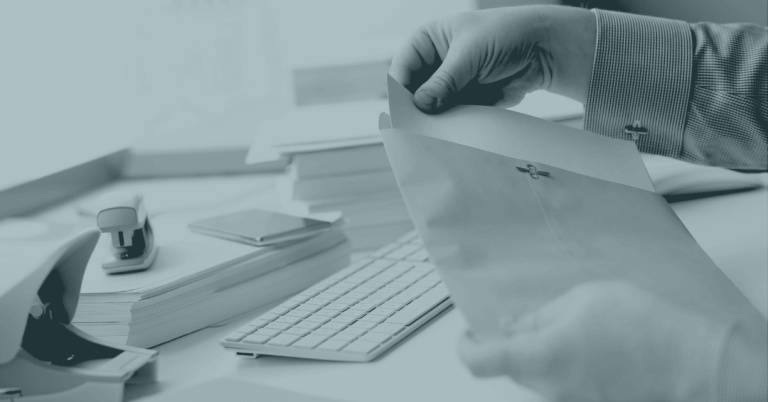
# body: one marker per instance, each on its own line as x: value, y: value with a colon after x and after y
x: 514, y: 211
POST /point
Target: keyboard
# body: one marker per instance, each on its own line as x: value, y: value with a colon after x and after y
x: 354, y: 315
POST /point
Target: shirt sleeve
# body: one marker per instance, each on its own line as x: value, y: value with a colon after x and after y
x: 695, y: 92
x: 741, y: 373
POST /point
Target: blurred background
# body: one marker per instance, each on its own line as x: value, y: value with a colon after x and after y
x: 81, y: 79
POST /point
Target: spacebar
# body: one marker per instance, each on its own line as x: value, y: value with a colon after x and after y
x: 420, y: 306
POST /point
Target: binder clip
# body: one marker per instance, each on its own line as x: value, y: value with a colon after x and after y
x: 124, y: 216
x: 43, y: 357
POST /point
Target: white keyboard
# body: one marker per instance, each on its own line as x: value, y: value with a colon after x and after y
x: 353, y: 315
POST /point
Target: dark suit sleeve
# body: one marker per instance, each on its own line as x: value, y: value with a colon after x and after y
x: 700, y: 91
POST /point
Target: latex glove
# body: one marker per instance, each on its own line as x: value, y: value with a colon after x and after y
x: 605, y: 341
x: 496, y: 56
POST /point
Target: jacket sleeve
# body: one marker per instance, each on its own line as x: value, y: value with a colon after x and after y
x: 695, y: 92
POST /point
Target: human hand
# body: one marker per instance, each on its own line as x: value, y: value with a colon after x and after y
x: 604, y: 341
x: 496, y: 56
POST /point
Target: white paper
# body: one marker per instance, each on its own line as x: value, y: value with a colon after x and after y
x: 505, y: 243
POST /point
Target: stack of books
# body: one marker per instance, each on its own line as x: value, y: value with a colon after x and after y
x: 198, y: 281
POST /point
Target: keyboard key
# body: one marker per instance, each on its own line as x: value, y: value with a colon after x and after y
x: 297, y: 313
x: 267, y: 332
x: 353, y: 331
x: 353, y: 312
x: 375, y: 337
x: 347, y: 337
x: 337, y: 326
x: 364, y: 325
x: 383, y: 311
x: 373, y: 318
x: 280, y: 310
x: 258, y: 323
x: 298, y: 299
x: 310, y: 308
x: 288, y: 320
x: 366, y: 306
x: 348, y: 300
x: 269, y: 316
x: 288, y: 304
x: 283, y: 340
x: 419, y: 306
x: 402, y: 299
x: 310, y: 341
x: 328, y: 313
x: 325, y: 332
x: 392, y: 305
x: 280, y: 326
x: 333, y: 345
x: 388, y: 328
x: 345, y: 320
x: 236, y: 336
x: 361, y: 346
x: 337, y: 306
x: 308, y: 325
x: 317, y: 318
x: 257, y: 339
x: 297, y: 331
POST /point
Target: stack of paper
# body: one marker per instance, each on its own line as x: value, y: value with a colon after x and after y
x: 357, y: 181
x: 198, y: 281
x: 337, y: 164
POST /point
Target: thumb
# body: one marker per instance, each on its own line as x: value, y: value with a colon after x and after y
x: 439, y: 91
x: 518, y: 356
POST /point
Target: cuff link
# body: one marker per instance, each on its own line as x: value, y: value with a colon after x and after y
x: 635, y: 130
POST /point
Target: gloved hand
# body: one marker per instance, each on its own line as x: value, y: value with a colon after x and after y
x: 496, y: 56
x: 604, y: 341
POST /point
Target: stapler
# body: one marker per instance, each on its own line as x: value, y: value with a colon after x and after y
x: 124, y: 216
x: 43, y: 357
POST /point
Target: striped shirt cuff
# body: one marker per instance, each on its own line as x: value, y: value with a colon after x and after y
x: 641, y: 73
x: 742, y: 369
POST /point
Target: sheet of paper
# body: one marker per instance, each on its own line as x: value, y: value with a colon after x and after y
x: 505, y: 242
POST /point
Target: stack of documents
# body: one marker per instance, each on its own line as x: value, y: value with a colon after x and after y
x: 198, y: 281
x: 338, y: 163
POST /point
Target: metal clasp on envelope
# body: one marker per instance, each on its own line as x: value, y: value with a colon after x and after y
x: 533, y: 171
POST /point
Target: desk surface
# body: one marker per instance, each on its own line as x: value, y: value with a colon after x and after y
x: 732, y: 229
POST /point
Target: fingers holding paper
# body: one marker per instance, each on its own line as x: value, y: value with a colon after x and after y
x: 603, y: 341
x: 487, y: 58
x: 496, y: 56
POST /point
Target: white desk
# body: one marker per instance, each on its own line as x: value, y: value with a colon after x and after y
x: 733, y: 229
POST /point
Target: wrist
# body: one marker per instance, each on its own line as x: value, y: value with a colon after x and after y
x: 572, y: 39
